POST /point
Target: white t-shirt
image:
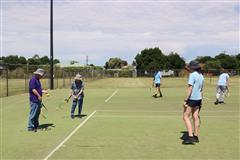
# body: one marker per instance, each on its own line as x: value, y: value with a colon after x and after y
x: 223, y: 78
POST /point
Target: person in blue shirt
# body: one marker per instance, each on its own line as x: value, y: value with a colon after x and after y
x: 77, y: 95
x: 35, y: 97
x: 157, y: 82
x: 193, y: 102
x: 222, y: 87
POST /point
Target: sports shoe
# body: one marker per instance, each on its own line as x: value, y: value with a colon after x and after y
x: 216, y: 102
x: 72, y: 116
x: 155, y: 95
x: 32, y: 129
x: 189, y: 140
x: 161, y: 95
x: 196, y: 139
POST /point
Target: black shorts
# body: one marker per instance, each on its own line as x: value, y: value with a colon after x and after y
x: 157, y: 85
x: 194, y: 103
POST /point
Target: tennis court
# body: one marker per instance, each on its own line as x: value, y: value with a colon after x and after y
x: 123, y: 121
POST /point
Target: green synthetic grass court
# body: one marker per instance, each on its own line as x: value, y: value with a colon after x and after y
x: 130, y: 125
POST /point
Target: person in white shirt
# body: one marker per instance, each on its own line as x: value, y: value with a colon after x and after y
x: 222, y: 87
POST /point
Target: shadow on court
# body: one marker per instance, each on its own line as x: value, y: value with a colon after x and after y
x: 46, y: 127
x: 81, y: 116
x: 75, y: 116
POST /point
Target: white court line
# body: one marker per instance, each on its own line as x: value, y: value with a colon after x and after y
x: 111, y: 95
x: 69, y: 136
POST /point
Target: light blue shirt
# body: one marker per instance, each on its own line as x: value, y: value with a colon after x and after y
x: 157, y: 77
x: 223, y: 78
x: 196, y: 80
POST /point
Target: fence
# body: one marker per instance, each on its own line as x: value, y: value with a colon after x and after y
x: 15, y: 78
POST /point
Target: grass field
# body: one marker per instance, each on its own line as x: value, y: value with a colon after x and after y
x: 127, y: 125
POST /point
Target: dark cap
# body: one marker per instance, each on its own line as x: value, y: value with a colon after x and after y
x: 194, y: 65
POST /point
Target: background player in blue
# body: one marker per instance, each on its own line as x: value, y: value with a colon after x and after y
x: 157, y: 82
x: 222, y: 87
x: 193, y: 102
x: 77, y: 88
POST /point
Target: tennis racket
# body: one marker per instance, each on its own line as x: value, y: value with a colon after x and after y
x: 44, y: 111
x: 63, y: 104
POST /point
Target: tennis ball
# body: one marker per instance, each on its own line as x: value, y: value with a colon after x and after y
x: 47, y: 94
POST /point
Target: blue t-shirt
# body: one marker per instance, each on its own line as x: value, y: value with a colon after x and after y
x: 34, y: 83
x: 157, y: 77
x: 196, y: 80
x: 223, y: 78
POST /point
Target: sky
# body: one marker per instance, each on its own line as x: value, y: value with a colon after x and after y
x: 105, y: 29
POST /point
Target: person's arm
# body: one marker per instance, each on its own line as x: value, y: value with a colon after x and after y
x: 189, y: 92
x: 227, y: 82
x: 189, y: 89
x: 81, y: 91
x: 69, y: 96
x: 153, y: 82
x: 37, y: 94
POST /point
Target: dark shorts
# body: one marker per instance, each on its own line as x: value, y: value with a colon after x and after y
x: 194, y: 103
x: 157, y: 85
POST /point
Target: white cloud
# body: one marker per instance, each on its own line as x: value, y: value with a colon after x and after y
x: 106, y: 29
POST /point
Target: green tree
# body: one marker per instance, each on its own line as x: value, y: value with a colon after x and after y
x: 44, y: 60
x: 227, y: 61
x: 213, y: 66
x: 115, y: 63
x: 22, y: 60
x: 73, y: 62
x: 14, y: 61
x: 238, y: 60
x: 175, y: 61
x: 204, y: 59
x: 56, y: 61
x: 151, y: 59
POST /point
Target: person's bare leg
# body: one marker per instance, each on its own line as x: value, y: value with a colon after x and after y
x: 186, y: 114
x: 160, y: 92
x: 195, y: 114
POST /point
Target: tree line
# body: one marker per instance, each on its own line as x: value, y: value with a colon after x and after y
x: 14, y: 61
x: 222, y: 60
x: 149, y: 59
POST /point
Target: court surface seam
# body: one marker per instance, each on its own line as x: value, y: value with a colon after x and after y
x: 159, y: 116
x: 173, y: 111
